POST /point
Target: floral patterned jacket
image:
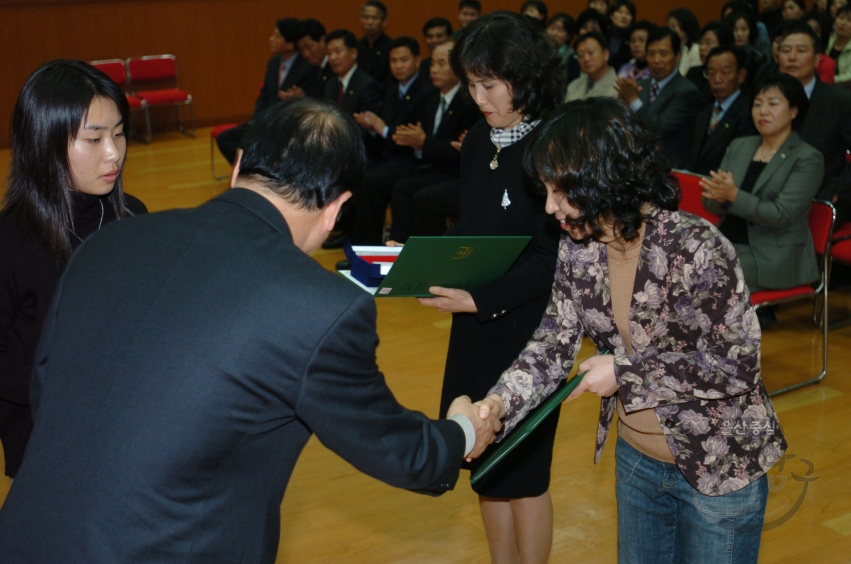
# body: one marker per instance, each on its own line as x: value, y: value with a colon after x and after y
x: 695, y: 360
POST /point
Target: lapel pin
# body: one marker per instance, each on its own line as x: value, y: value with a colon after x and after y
x: 352, y: 92
x: 450, y: 112
x: 727, y: 126
x: 407, y: 97
x: 782, y: 155
x: 378, y: 52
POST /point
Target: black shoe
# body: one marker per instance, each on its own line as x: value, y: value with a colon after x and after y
x: 766, y: 317
x: 334, y: 241
x: 343, y: 265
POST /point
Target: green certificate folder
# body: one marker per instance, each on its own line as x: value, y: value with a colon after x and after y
x: 452, y: 262
x: 528, y: 425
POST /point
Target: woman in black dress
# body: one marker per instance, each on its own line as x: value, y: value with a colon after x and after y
x: 513, y: 75
x: 68, y: 148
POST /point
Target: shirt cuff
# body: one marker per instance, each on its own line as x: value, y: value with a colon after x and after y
x: 636, y: 104
x: 469, y: 431
x: 385, y: 131
x: 418, y: 154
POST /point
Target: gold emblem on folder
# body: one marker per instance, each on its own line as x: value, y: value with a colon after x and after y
x: 463, y: 252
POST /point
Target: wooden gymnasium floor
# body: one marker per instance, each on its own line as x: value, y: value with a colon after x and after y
x: 332, y: 513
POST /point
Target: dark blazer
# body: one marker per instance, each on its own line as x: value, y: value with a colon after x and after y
x: 777, y: 209
x: 400, y: 111
x: 374, y: 60
x: 314, y: 86
x: 297, y: 75
x: 671, y: 116
x: 827, y: 127
x: 708, y: 149
x: 460, y: 116
x: 171, y: 403
x: 361, y: 95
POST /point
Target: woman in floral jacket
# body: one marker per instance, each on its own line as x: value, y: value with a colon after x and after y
x: 662, y: 290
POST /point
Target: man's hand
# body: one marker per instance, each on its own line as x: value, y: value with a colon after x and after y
x: 450, y: 300
x: 600, y: 379
x: 410, y: 136
x: 627, y: 88
x: 291, y: 93
x: 486, y: 427
x: 457, y: 144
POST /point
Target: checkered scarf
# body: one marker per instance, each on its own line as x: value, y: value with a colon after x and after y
x: 502, y: 138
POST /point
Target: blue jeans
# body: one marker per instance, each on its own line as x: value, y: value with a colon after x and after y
x: 662, y: 519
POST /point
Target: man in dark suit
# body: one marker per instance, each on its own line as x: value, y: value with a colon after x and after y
x: 436, y: 31
x: 424, y: 149
x: 827, y: 125
x: 374, y: 47
x: 310, y: 41
x: 284, y: 70
x: 728, y: 117
x: 351, y: 88
x: 171, y: 404
x: 667, y: 101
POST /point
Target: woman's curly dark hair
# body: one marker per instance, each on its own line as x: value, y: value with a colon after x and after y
x: 506, y: 46
x: 605, y: 162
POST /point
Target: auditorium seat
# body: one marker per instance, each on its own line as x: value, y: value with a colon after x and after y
x: 691, y: 200
x: 156, y: 69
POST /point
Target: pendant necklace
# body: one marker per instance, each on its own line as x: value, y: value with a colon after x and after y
x: 100, y: 223
x: 494, y: 161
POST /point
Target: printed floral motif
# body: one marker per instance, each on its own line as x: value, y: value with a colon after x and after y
x: 695, y: 360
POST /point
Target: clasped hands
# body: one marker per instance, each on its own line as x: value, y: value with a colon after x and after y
x: 720, y: 187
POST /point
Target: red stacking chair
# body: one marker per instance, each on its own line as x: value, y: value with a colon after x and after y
x: 822, y: 216
x: 840, y: 250
x: 159, y: 68
x: 116, y: 70
x: 691, y: 200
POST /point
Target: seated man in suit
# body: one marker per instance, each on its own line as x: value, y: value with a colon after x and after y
x: 171, y: 404
x: 827, y: 126
x: 374, y: 47
x: 728, y: 117
x: 597, y: 78
x: 310, y: 41
x: 468, y: 12
x: 436, y: 31
x: 667, y: 101
x: 424, y: 150
x: 284, y: 70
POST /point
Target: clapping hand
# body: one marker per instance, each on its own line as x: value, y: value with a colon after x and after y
x: 720, y: 187
x: 410, y: 136
x: 486, y: 426
x: 291, y: 93
x: 627, y: 88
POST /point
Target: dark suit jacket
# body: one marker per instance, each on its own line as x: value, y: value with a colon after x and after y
x: 361, y: 95
x: 460, y: 116
x: 777, y: 209
x: 375, y: 60
x: 297, y: 75
x: 827, y: 127
x: 317, y: 78
x: 671, y: 116
x: 172, y: 402
x: 396, y: 111
x: 707, y: 150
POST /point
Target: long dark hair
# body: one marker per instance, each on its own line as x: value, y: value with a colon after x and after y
x: 506, y: 46
x: 50, y: 108
x: 605, y: 162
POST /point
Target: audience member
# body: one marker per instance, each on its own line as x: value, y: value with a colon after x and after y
x: 588, y: 21
x: 827, y: 125
x: 743, y: 24
x: 437, y: 31
x: 311, y: 46
x: 468, y: 12
x: 175, y: 388
x: 621, y: 16
x: 821, y: 6
x: 373, y: 47
x: 684, y: 23
x: 667, y: 102
x: 637, y: 66
x: 284, y: 70
x: 793, y: 9
x: 65, y: 183
x: 352, y: 88
x: 602, y: 6
x: 763, y: 192
x: 826, y: 67
x: 561, y: 29
x: 835, y: 6
x: 763, y: 41
x: 839, y: 47
x: 728, y: 117
x: 597, y: 78
x: 424, y: 148
x: 771, y: 13
x: 536, y: 11
x: 714, y: 34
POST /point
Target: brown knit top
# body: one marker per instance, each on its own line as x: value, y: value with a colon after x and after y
x: 640, y: 429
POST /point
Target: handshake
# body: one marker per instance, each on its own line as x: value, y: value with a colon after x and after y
x: 485, y: 415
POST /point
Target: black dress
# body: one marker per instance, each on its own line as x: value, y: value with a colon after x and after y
x: 484, y: 344
x: 28, y: 277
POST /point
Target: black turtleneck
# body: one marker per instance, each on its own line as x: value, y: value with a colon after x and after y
x: 28, y: 278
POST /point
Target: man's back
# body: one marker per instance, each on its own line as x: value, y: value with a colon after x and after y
x: 188, y: 359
